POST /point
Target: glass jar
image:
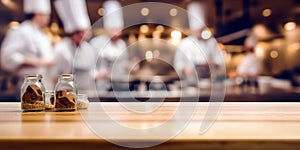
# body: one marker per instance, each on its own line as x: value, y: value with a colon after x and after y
x: 49, y: 100
x: 82, y: 101
x: 32, y: 93
x: 65, y: 93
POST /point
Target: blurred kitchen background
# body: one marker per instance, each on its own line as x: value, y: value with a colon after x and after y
x: 276, y: 22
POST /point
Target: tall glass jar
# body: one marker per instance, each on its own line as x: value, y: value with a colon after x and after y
x: 32, y: 93
x: 65, y: 93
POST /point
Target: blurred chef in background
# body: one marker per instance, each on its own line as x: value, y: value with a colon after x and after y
x: 111, y: 49
x: 198, y: 50
x: 27, y: 49
x: 249, y: 68
x: 74, y: 54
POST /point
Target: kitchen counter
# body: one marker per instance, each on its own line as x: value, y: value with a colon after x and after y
x: 238, y: 126
x: 203, y: 95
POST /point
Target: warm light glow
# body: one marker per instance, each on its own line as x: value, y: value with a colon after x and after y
x: 221, y: 46
x: 145, y: 11
x: 131, y: 38
x: 267, y: 12
x: 290, y: 26
x: 156, y: 34
x: 160, y: 28
x: 176, y: 35
x: 13, y: 24
x: 260, y: 50
x: 206, y: 34
x: 141, y: 37
x: 5, y: 2
x: 274, y: 54
x: 144, y: 28
x: 173, y: 12
x: 156, y: 53
x: 9, y: 3
x: 149, y: 55
x: 294, y: 46
x: 101, y: 11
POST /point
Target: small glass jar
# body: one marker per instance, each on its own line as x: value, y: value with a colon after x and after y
x: 65, y: 93
x: 49, y: 100
x: 32, y: 93
x: 82, y: 101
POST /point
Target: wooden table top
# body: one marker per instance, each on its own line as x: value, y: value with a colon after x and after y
x: 259, y: 122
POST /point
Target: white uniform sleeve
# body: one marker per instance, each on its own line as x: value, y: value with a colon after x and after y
x: 11, y: 50
x: 250, y: 65
x: 181, y: 59
x: 216, y: 54
x: 61, y: 64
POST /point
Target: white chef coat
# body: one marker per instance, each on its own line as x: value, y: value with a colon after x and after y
x: 27, y: 41
x: 250, y: 65
x: 77, y: 60
x: 192, y: 51
x: 112, y: 57
x: 110, y: 53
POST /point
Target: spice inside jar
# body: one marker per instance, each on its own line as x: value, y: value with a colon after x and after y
x: 82, y: 101
x: 32, y: 93
x: 65, y: 93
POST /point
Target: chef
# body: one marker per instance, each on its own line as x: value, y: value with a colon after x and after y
x: 250, y: 65
x: 199, y: 49
x: 27, y: 49
x: 74, y: 54
x: 111, y: 48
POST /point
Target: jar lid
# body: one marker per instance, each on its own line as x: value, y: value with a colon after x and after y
x: 81, y: 96
x: 33, y: 75
x: 66, y: 76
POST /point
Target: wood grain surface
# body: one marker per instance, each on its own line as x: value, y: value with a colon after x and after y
x: 239, y: 125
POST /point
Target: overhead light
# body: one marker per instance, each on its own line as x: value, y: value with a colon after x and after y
x: 290, y: 26
x: 101, y: 11
x: 160, y: 28
x: 267, y: 12
x: 144, y: 28
x: 149, y: 55
x: 273, y: 54
x: 176, y: 35
x: 173, y: 12
x: 145, y: 11
x: 206, y: 34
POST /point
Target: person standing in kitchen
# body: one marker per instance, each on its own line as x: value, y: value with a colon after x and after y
x: 248, y: 70
x: 112, y: 50
x: 199, y: 50
x: 74, y: 54
x: 27, y: 49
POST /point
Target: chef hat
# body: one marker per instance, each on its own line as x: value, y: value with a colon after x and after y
x: 37, y: 6
x: 251, y: 41
x: 113, y: 15
x: 195, y: 15
x: 73, y: 14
